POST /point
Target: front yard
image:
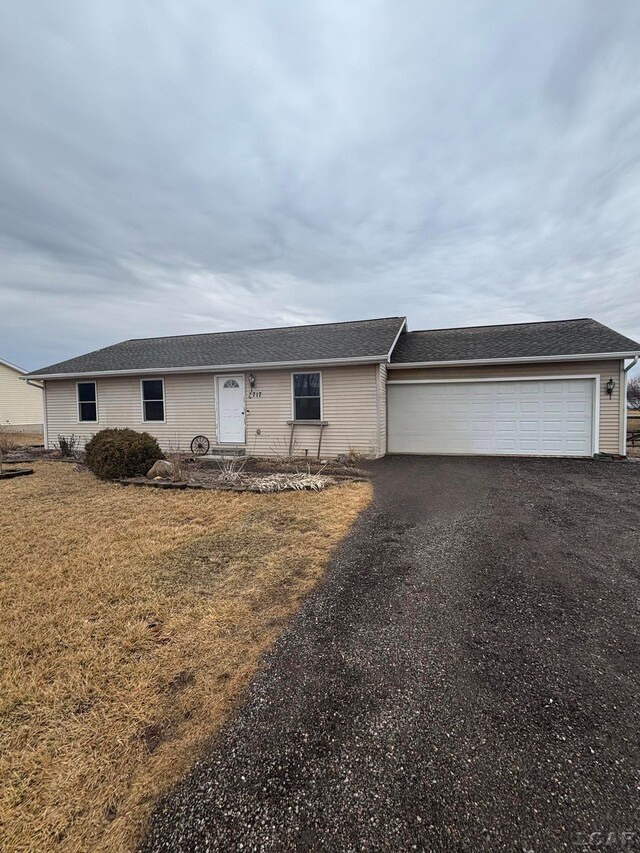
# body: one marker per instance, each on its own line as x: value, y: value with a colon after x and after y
x: 132, y: 620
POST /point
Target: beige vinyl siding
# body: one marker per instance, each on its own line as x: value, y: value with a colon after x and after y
x: 610, y: 421
x: 189, y: 409
x: 20, y: 404
x: 349, y: 407
x: 353, y: 405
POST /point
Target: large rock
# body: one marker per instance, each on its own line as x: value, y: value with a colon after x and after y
x: 161, y: 469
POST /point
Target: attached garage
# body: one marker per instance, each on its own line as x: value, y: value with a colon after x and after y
x: 524, y: 417
x: 522, y: 389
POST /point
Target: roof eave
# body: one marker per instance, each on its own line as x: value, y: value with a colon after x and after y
x: 213, y: 368
x: 591, y: 356
x: 395, y: 340
x: 12, y: 366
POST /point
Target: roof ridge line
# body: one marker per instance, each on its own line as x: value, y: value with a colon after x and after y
x: 264, y: 329
x: 505, y: 325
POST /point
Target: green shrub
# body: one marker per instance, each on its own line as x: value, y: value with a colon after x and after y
x: 115, y: 453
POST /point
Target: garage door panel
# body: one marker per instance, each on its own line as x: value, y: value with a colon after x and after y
x: 480, y: 407
x: 577, y: 407
x: 504, y: 445
x: 537, y: 417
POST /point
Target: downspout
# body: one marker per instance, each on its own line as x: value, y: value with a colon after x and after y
x: 623, y: 440
x: 378, y: 411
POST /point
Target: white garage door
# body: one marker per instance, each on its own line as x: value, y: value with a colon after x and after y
x: 528, y: 417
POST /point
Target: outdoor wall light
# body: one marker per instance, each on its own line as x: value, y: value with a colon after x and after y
x: 610, y: 386
x: 252, y: 380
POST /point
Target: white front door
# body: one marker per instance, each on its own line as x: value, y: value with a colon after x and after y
x: 230, y: 409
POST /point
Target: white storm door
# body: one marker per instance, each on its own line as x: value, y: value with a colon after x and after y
x: 230, y: 409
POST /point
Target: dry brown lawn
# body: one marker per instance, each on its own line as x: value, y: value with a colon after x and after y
x: 132, y: 619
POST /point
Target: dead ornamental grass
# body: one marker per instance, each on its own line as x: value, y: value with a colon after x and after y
x: 131, y: 621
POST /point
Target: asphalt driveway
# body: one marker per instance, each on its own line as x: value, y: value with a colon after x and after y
x: 467, y: 678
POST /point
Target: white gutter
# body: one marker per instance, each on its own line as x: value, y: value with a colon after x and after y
x: 212, y: 368
x: 625, y: 416
x: 590, y: 356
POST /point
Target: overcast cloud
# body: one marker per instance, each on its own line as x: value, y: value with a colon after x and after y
x: 174, y: 167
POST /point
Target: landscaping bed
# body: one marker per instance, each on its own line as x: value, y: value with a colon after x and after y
x: 248, y: 474
x: 332, y: 467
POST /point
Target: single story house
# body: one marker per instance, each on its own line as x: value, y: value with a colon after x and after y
x: 20, y: 402
x: 370, y: 386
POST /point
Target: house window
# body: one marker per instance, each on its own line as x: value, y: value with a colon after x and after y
x: 231, y: 383
x: 306, y: 397
x: 87, y: 402
x: 153, y: 399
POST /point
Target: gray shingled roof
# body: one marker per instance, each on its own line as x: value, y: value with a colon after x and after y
x: 362, y: 339
x: 520, y: 340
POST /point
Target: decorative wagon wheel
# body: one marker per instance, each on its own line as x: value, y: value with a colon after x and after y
x: 200, y: 445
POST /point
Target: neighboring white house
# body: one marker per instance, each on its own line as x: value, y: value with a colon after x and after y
x: 20, y: 402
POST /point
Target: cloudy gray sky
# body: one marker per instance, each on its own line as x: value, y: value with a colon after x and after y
x: 174, y: 166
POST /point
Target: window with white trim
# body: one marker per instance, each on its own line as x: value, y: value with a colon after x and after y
x: 153, y: 399
x: 306, y: 397
x: 87, y: 402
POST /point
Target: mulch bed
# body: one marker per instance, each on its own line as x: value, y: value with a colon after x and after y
x: 205, y: 474
x: 260, y: 466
